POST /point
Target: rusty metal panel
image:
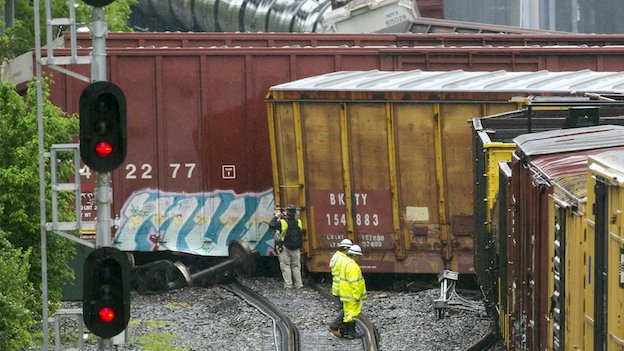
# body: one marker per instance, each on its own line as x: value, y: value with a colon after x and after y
x: 574, y: 268
x: 420, y: 146
x: 458, y: 175
x: 415, y: 126
x: 287, y: 153
x: 369, y: 158
x: 450, y: 40
x: 322, y: 140
x: 430, y: 8
x: 244, y: 40
x: 532, y: 226
x: 436, y: 227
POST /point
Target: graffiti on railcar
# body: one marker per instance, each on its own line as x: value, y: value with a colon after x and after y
x: 197, y: 223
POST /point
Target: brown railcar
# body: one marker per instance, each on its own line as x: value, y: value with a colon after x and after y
x: 502, y: 42
x: 196, y: 109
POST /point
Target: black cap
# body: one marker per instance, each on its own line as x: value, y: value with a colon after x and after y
x: 291, y: 209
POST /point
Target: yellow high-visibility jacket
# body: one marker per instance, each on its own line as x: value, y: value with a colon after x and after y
x: 352, y: 285
x: 283, y: 227
x: 334, y: 265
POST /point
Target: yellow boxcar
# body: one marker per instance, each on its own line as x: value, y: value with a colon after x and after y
x: 385, y: 159
x: 604, y: 292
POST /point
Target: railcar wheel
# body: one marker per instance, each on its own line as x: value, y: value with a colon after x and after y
x: 244, y: 257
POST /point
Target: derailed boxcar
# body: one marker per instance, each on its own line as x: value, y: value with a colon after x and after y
x: 385, y: 158
x: 603, y: 321
x: 545, y: 212
x: 197, y: 118
x: 492, y: 144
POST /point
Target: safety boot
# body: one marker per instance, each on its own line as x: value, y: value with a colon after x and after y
x: 335, y: 331
x: 350, y: 332
x: 335, y: 325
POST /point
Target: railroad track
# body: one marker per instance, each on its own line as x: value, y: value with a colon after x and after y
x: 301, y: 317
x: 286, y: 335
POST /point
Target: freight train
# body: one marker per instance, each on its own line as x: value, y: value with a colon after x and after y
x: 199, y: 173
x: 548, y: 224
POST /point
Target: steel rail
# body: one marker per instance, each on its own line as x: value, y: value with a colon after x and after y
x: 289, y: 334
x: 487, y: 341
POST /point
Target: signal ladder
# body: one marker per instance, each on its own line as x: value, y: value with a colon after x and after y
x: 60, y: 228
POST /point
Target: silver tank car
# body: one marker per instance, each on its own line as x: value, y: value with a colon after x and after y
x: 359, y: 16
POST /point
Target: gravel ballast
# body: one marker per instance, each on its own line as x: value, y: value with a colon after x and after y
x: 213, y: 318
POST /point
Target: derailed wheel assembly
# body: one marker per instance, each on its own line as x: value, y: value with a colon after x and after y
x: 166, y: 275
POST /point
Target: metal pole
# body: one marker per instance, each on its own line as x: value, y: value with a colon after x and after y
x: 42, y: 196
x: 103, y: 199
x: 103, y: 190
x: 99, y: 31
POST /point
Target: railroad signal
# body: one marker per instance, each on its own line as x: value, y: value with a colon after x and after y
x: 106, y: 292
x: 103, y: 135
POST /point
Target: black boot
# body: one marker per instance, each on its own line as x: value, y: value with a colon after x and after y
x: 334, y: 326
x: 350, y: 331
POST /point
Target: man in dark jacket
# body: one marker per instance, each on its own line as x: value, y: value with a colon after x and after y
x: 291, y: 238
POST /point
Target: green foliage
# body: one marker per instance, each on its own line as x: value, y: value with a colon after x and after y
x: 158, y: 341
x: 117, y: 14
x: 20, y: 38
x: 19, y: 179
x: 17, y: 297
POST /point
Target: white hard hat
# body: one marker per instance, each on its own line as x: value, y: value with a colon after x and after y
x: 355, y: 250
x: 346, y: 243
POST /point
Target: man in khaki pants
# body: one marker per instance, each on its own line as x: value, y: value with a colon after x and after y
x: 290, y: 237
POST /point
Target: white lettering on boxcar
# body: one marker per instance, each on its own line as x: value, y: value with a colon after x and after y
x: 339, y: 199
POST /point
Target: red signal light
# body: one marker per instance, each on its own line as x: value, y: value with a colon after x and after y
x: 106, y: 314
x: 103, y: 149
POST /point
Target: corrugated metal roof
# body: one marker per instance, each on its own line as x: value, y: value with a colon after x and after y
x: 614, y: 159
x: 569, y: 170
x: 611, y: 165
x: 568, y: 140
x: 464, y: 81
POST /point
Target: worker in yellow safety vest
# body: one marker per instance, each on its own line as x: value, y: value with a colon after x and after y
x: 288, y: 241
x: 334, y: 265
x: 352, y: 292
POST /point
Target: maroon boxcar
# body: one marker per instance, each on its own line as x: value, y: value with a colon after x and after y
x: 198, y: 174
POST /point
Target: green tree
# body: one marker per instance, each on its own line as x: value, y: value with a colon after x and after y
x: 17, y: 297
x: 19, y: 188
x: 20, y: 38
